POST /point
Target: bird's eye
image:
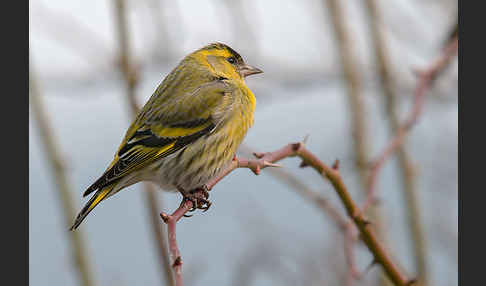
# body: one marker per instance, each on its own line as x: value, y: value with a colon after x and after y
x: 231, y: 60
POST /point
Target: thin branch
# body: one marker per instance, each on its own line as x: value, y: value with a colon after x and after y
x: 131, y: 80
x: 171, y: 221
x: 268, y: 160
x: 426, y: 78
x: 80, y: 252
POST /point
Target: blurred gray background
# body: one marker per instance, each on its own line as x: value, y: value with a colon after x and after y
x: 259, y: 231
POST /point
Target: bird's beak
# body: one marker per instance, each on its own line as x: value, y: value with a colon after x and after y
x: 247, y: 70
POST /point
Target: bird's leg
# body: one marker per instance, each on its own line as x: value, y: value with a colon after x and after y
x: 198, y: 197
x: 204, y: 190
x: 202, y: 195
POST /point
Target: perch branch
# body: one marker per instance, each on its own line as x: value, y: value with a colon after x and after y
x: 332, y: 174
x: 426, y: 78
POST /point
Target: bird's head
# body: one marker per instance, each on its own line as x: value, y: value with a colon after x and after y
x: 224, y: 62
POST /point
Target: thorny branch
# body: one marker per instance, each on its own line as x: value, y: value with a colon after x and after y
x: 264, y: 160
x: 426, y: 78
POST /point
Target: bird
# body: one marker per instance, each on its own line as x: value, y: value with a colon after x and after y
x: 187, y: 132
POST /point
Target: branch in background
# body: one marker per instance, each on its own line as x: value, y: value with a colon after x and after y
x: 63, y: 186
x: 426, y: 78
x: 425, y: 81
x: 453, y: 34
x: 73, y: 34
x: 131, y: 79
x: 245, y: 37
x: 161, y: 48
x: 406, y: 167
x: 350, y: 67
x: 351, y: 73
x: 264, y: 160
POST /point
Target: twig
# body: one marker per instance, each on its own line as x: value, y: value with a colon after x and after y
x: 131, y: 79
x: 171, y: 221
x: 268, y: 160
x: 426, y: 78
x: 80, y: 252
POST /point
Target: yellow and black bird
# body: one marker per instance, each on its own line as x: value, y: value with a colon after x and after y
x: 187, y: 132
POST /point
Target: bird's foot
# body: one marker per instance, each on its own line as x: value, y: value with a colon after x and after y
x: 198, y: 197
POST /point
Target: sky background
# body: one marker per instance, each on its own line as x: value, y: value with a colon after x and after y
x: 73, y: 46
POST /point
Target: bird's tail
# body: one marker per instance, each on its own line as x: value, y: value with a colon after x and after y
x: 91, y: 204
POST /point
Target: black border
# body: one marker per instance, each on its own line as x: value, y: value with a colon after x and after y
x: 15, y: 142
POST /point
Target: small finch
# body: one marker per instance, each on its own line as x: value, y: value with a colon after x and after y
x: 187, y: 132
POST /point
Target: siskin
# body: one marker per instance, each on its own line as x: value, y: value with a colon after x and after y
x: 187, y: 132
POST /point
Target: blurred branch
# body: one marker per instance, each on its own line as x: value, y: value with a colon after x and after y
x: 74, y: 35
x: 268, y: 160
x: 245, y: 37
x: 63, y: 186
x: 162, y: 50
x: 453, y: 33
x: 351, y: 73
x: 406, y: 168
x: 131, y: 79
x: 350, y: 67
x: 425, y: 79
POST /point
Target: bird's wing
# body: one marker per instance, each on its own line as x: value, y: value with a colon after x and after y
x: 166, y: 124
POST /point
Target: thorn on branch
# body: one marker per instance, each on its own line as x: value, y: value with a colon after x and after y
x: 306, y: 138
x: 256, y: 170
x: 164, y: 217
x: 335, y: 166
x: 357, y: 217
x: 258, y: 155
x: 303, y: 164
x: 411, y: 282
x: 368, y: 268
x: 177, y: 262
x: 295, y: 146
x: 366, y: 222
x: 270, y: 164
